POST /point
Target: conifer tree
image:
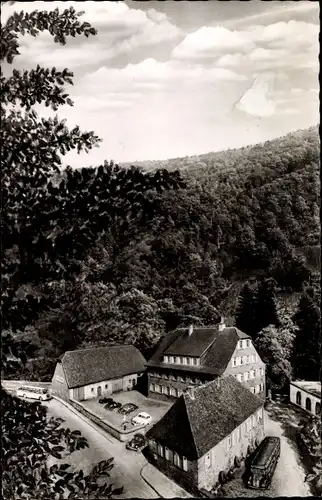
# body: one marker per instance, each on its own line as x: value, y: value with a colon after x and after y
x: 245, y: 311
x: 265, y: 312
x: 306, y: 359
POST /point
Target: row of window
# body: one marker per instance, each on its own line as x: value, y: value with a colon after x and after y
x: 246, y: 426
x: 172, y: 457
x: 181, y: 360
x: 168, y: 391
x: 244, y: 360
x: 243, y: 344
x: 243, y: 377
x: 177, y: 378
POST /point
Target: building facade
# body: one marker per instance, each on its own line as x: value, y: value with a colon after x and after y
x: 195, y: 356
x: 205, y: 432
x: 95, y: 372
x: 307, y: 395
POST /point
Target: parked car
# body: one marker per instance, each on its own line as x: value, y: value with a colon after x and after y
x: 109, y: 405
x: 142, y: 419
x: 137, y: 443
x: 128, y: 408
x: 105, y: 400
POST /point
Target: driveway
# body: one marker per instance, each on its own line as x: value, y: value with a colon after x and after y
x: 288, y: 479
x: 128, y: 465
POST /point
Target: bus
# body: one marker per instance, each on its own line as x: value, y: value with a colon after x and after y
x: 40, y: 393
x: 262, y: 464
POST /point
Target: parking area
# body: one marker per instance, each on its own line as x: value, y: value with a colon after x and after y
x: 153, y: 407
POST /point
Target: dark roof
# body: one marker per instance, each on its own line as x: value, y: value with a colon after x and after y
x: 192, y: 427
x: 88, y: 366
x: 216, y: 346
x: 195, y: 344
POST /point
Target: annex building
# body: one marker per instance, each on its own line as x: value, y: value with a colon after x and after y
x: 194, y: 356
x: 90, y: 373
x: 206, y: 430
x: 307, y: 395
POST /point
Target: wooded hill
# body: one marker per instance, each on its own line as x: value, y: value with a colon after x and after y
x: 132, y: 266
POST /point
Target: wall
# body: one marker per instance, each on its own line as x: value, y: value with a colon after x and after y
x: 187, y: 479
x: 58, y: 384
x: 182, y: 386
x: 110, y: 386
x: 314, y: 399
x: 222, y: 457
x: 110, y: 428
x: 234, y: 370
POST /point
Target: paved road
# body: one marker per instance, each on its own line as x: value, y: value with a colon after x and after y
x: 128, y: 464
x: 289, y: 476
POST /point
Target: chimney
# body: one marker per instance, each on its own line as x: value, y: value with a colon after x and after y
x: 222, y: 325
x: 190, y: 330
x: 191, y: 392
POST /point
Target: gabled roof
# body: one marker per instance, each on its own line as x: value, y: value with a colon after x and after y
x: 214, y: 347
x: 192, y: 427
x: 88, y: 366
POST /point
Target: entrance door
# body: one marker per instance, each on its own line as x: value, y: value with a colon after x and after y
x: 99, y: 391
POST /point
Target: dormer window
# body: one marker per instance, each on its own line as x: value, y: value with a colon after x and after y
x: 175, y: 359
x: 171, y: 359
x: 188, y: 361
x: 166, y: 359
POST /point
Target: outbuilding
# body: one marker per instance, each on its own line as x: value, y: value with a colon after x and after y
x: 307, y: 395
x: 93, y: 372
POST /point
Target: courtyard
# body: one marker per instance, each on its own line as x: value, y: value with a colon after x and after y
x: 153, y: 407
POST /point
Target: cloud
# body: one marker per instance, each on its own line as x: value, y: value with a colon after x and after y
x: 207, y: 42
x: 255, y: 101
x: 121, y: 30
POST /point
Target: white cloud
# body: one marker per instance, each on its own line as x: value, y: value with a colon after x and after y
x: 207, y: 42
x: 121, y: 30
x: 255, y: 101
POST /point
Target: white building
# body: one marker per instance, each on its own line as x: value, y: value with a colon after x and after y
x: 307, y: 395
x: 90, y: 373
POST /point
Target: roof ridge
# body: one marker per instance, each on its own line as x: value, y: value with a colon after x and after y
x: 100, y: 347
x: 188, y: 417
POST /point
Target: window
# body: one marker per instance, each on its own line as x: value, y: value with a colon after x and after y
x: 256, y: 389
x: 253, y: 389
x: 239, y: 377
x: 171, y: 359
x: 157, y: 388
x: 242, y: 360
x: 245, y: 376
x: 160, y: 450
x: 247, y: 343
x: 152, y: 387
x: 184, y: 361
x: 167, y: 453
x: 240, y: 344
x: 173, y: 391
x: 208, y: 460
x: 234, y: 361
x: 181, y: 360
x: 248, y: 359
x: 261, y: 371
x: 188, y: 361
x: 106, y: 386
x: 92, y: 389
x: 194, y: 361
x: 229, y: 442
x: 298, y: 398
x: 197, y: 361
x: 175, y: 359
x: 185, y: 463
x: 177, y: 460
x: 166, y: 359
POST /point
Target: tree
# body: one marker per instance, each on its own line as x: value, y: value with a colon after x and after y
x: 265, y: 306
x: 33, y: 446
x: 306, y: 359
x: 245, y: 312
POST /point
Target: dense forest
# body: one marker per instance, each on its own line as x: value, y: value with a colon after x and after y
x: 125, y: 254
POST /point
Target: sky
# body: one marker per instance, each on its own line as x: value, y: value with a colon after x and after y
x: 170, y: 79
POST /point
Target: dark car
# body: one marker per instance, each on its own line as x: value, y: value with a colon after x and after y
x: 105, y: 400
x: 110, y: 405
x: 137, y: 443
x: 128, y: 408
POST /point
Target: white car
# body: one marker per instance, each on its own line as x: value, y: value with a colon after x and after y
x: 142, y: 419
